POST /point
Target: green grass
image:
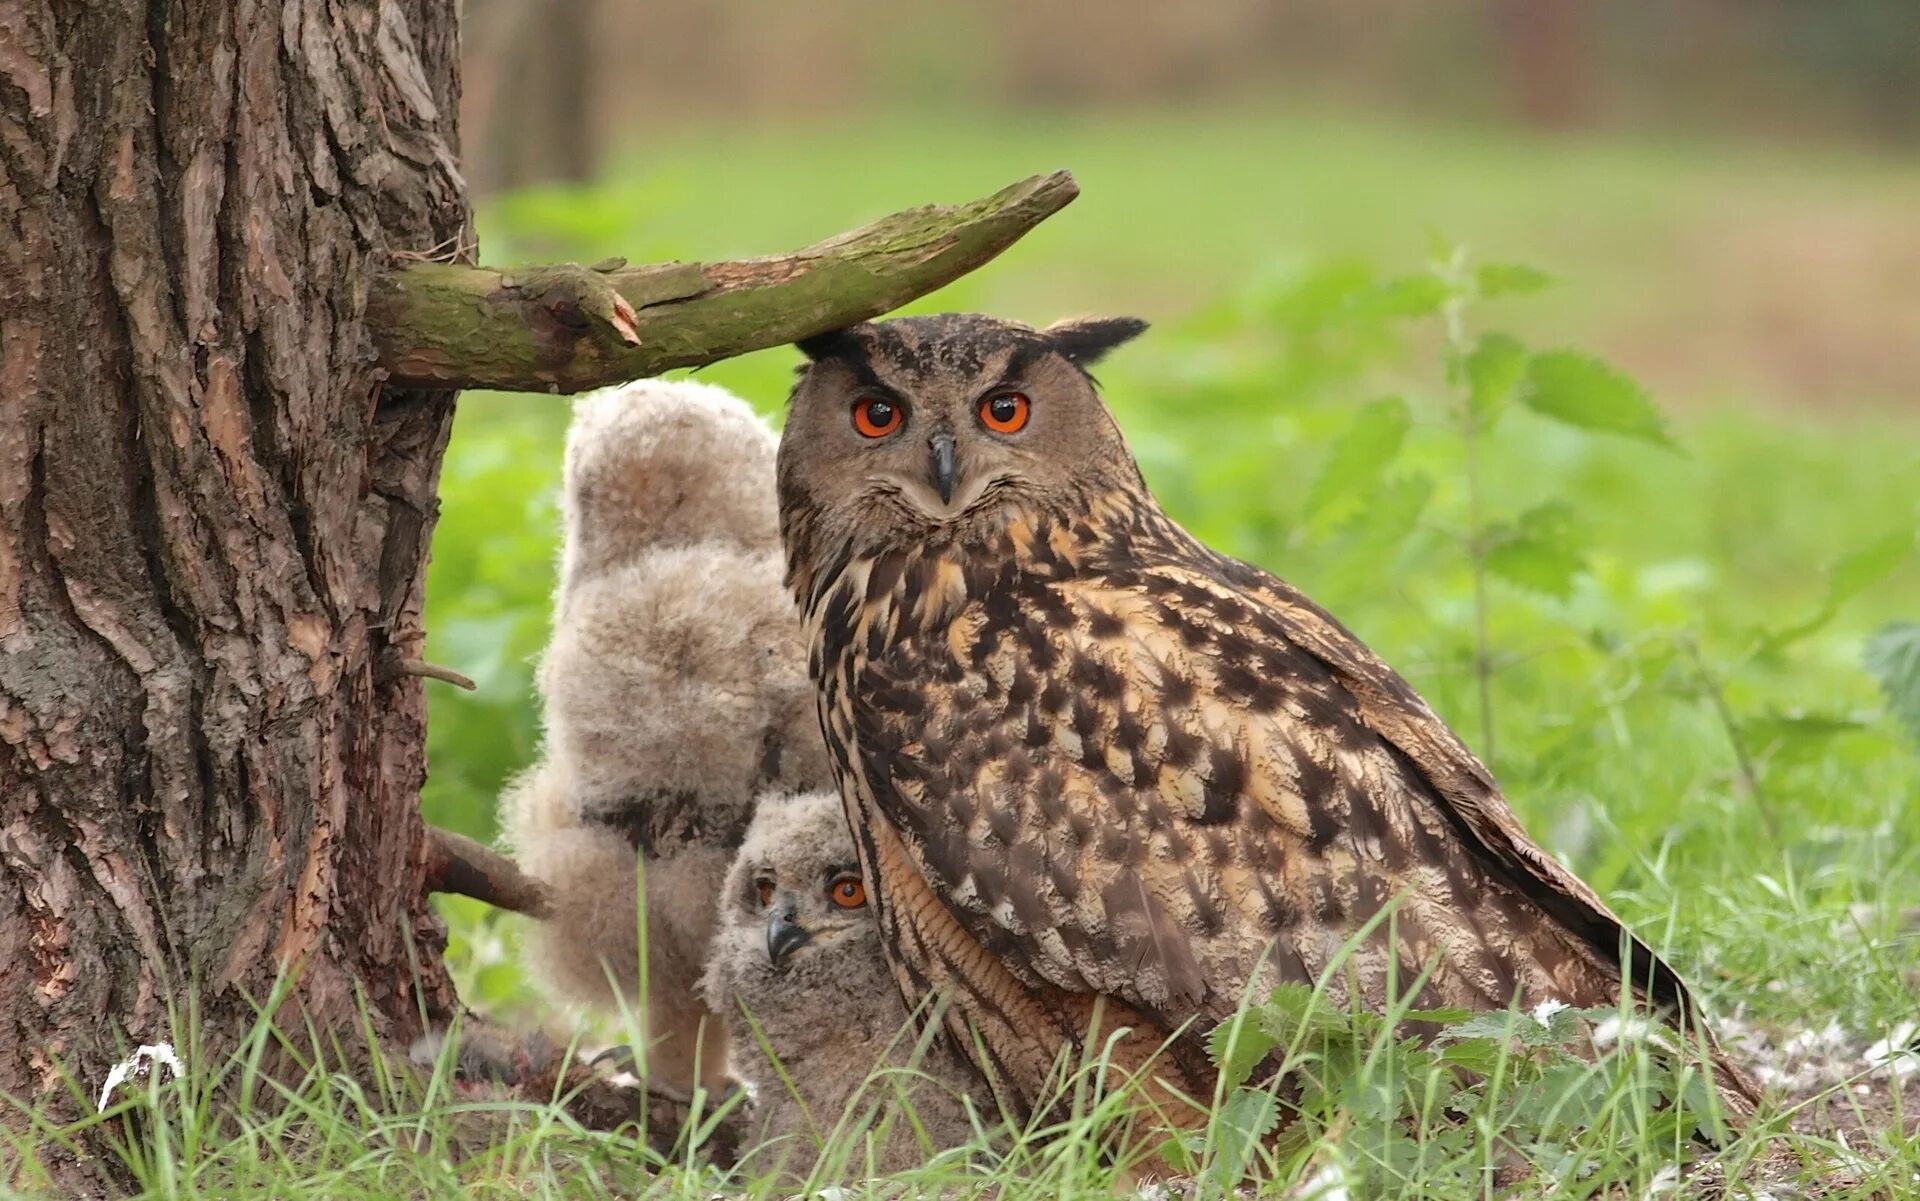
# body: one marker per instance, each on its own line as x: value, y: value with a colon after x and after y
x: 1677, y: 698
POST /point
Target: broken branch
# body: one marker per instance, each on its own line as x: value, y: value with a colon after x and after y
x: 567, y: 328
x: 433, y: 671
x: 457, y: 864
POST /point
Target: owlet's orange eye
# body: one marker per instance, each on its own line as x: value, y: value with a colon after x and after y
x: 765, y: 889
x: 1005, y: 412
x: 875, y: 417
x: 848, y: 892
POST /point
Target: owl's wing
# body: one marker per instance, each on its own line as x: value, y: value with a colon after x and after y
x: 1181, y: 783
x: 1457, y: 778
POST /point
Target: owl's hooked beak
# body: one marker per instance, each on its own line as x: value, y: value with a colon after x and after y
x: 785, y: 934
x: 944, y: 469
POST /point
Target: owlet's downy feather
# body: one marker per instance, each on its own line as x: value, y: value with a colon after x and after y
x: 674, y: 695
x: 816, y: 1025
x: 1092, y: 764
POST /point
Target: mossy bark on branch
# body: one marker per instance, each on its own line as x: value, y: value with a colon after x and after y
x: 566, y: 328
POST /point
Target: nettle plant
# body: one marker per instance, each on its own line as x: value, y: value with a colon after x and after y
x: 1362, y: 501
x: 1542, y: 548
x: 1313, y: 1090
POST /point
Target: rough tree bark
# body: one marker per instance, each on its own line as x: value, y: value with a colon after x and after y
x: 213, y: 519
x: 224, y: 229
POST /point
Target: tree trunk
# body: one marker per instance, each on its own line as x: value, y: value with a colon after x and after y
x: 1546, y: 45
x: 213, y: 520
x: 541, y: 127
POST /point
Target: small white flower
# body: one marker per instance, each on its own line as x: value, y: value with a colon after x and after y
x: 1894, y: 1054
x: 1327, y: 1184
x: 1666, y: 1180
x: 1544, y: 1011
x: 138, y: 1064
x: 1633, y: 1028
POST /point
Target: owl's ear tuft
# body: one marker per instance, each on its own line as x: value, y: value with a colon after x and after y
x: 831, y: 344
x: 1086, y: 341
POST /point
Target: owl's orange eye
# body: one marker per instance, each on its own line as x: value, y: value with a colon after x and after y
x: 765, y: 889
x: 848, y: 892
x: 1005, y: 412
x: 876, y: 417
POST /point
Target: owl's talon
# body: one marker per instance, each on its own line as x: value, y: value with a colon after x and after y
x: 622, y: 1057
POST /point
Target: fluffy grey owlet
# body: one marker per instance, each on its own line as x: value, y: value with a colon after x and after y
x: 675, y: 693
x: 816, y: 1025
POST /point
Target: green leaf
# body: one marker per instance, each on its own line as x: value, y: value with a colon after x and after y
x: 1851, y: 575
x: 1496, y: 1025
x: 1294, y: 1015
x: 1361, y: 455
x: 1542, y: 552
x: 1238, y: 1129
x: 1793, y: 737
x: 1376, y: 535
x: 1861, y: 570
x: 1180, y: 1153
x: 1546, y: 1025
x: 1291, y: 1007
x: 1406, y: 296
x: 1574, y: 1092
x: 1238, y: 1044
x: 1582, y: 391
x: 1493, y: 280
x: 1440, y: 1017
x: 1481, y: 1056
x: 1494, y: 368
x: 1316, y: 297
x: 1893, y: 657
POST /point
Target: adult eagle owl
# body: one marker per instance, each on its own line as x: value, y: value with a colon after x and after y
x: 1090, y: 762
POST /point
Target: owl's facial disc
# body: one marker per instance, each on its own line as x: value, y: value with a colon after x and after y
x: 801, y: 924
x: 943, y: 481
x: 904, y: 427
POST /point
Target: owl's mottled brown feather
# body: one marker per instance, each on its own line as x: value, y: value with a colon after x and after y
x: 1088, y: 758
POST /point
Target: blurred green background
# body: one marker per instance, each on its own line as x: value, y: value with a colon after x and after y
x: 1724, y: 193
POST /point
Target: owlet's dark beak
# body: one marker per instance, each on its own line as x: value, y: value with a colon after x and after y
x: 785, y: 934
x: 941, y: 448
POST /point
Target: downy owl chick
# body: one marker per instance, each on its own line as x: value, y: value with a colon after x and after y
x: 817, y: 1026
x: 675, y: 692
